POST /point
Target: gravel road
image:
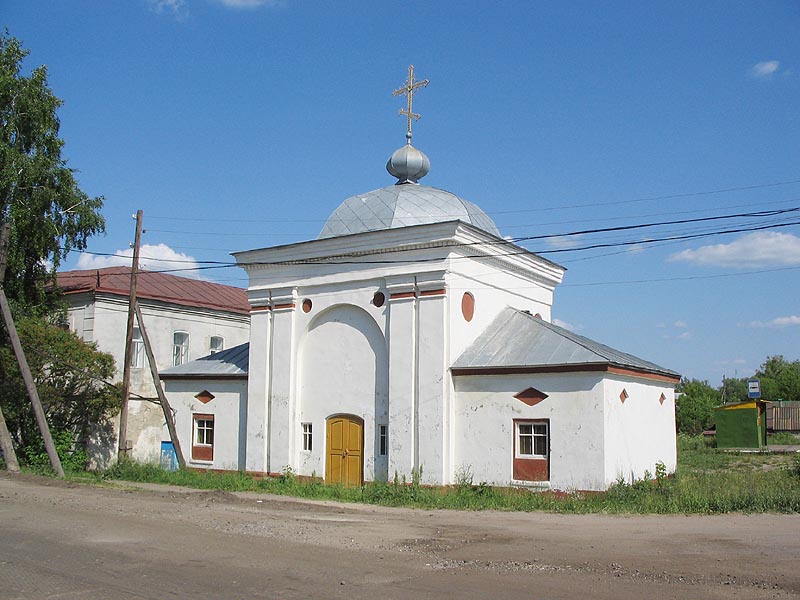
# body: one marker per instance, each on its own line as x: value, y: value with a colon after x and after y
x: 65, y: 540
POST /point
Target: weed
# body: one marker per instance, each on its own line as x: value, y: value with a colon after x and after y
x: 708, y: 481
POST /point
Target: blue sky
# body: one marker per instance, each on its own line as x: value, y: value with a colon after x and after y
x: 237, y: 124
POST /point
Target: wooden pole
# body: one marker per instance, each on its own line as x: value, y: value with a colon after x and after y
x: 123, y: 447
x: 30, y: 385
x: 162, y: 397
x: 6, y: 445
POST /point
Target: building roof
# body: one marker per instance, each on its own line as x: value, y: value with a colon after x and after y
x: 400, y: 205
x: 516, y: 340
x: 233, y: 362
x: 156, y: 286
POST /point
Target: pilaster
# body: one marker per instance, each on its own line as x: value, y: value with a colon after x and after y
x: 282, y: 402
x: 401, y: 333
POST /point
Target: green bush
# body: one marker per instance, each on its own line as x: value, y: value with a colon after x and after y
x: 73, y: 459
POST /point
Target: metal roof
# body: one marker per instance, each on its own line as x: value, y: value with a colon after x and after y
x: 156, y: 286
x: 401, y: 205
x: 518, y: 339
x: 233, y: 362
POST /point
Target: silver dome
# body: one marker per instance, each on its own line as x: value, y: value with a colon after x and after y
x: 408, y: 164
x: 402, y: 205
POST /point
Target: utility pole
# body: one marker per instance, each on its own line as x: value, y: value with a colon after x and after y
x: 162, y: 397
x: 123, y: 447
x: 30, y: 385
x: 6, y: 444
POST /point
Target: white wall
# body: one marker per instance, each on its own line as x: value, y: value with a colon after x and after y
x: 486, y: 408
x: 493, y: 291
x: 640, y: 431
x: 343, y: 369
x: 229, y: 410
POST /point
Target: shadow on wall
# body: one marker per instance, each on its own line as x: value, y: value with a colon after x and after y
x: 102, y: 445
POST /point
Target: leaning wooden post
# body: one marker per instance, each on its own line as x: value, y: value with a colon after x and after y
x: 30, y: 385
x: 162, y: 397
x: 6, y: 445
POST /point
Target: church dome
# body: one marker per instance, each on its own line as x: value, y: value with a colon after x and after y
x: 405, y: 203
x: 402, y: 205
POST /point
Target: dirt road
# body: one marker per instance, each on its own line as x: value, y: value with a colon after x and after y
x: 61, y: 540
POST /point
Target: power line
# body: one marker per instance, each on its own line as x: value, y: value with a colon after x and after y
x: 517, y: 211
x: 684, y: 278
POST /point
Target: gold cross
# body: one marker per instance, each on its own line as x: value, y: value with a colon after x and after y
x: 408, y: 90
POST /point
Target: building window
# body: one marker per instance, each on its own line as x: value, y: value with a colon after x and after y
x: 531, y: 450
x: 180, y: 348
x: 216, y: 344
x: 532, y: 439
x: 308, y: 438
x: 203, y: 438
x: 137, y: 349
x: 383, y: 439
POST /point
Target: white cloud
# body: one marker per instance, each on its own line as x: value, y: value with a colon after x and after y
x: 564, y: 242
x: 686, y: 335
x: 244, y: 3
x: 151, y: 258
x: 173, y: 7
x: 765, y: 70
x: 774, y: 323
x: 680, y: 324
x: 567, y: 326
x: 759, y: 249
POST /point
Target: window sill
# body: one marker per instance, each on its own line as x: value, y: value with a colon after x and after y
x: 538, y: 485
x: 194, y: 461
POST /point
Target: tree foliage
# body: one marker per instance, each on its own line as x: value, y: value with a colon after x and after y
x: 780, y: 379
x: 39, y: 195
x: 69, y: 376
x: 694, y: 406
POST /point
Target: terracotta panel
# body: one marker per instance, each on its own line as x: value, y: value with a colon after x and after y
x: 468, y: 306
x: 531, y: 396
x: 531, y: 469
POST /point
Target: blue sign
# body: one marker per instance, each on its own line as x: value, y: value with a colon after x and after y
x: 753, y: 388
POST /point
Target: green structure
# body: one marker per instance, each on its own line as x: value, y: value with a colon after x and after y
x: 742, y: 425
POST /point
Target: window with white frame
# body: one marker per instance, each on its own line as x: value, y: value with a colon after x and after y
x: 180, y: 348
x: 203, y: 438
x: 383, y: 440
x: 137, y: 349
x: 532, y: 439
x: 216, y: 344
x: 308, y: 437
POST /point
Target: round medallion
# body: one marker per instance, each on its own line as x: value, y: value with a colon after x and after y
x: 307, y: 305
x: 378, y: 299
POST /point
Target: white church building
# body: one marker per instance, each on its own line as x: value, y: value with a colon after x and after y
x: 411, y: 338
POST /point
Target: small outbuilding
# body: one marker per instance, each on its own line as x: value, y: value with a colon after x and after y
x: 742, y: 424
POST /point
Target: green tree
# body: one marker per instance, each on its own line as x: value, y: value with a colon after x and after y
x: 69, y: 375
x: 49, y: 214
x: 780, y: 379
x: 694, y: 406
x: 733, y: 390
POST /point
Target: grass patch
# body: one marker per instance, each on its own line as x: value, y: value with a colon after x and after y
x: 708, y: 481
x: 782, y: 438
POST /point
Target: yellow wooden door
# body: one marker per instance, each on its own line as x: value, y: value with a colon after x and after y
x: 345, y: 457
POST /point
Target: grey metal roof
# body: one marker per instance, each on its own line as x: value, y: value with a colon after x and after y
x: 401, y: 205
x: 232, y: 362
x: 518, y: 339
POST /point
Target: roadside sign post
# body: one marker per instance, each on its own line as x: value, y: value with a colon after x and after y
x: 754, y: 388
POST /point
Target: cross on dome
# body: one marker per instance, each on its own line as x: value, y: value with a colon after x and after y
x: 408, y: 91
